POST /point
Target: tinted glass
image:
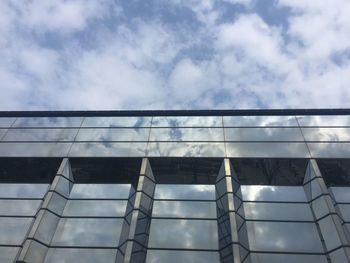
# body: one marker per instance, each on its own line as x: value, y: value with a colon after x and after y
x: 160, y: 256
x: 34, y: 149
x: 19, y: 207
x: 326, y: 134
x: 190, y: 121
x: 329, y: 150
x: 113, y: 134
x: 252, y: 121
x: 13, y: 230
x: 100, y: 191
x: 49, y: 122
x: 6, y: 122
x: 324, y: 120
x: 40, y: 135
x: 2, y: 133
x: 341, y: 194
x: 263, y: 134
x: 185, y: 192
x: 286, y: 258
x: 63, y: 255
x: 273, y: 193
x: 345, y: 211
x: 117, y: 122
x: 184, y: 209
x: 187, y: 134
x: 95, y: 208
x: 23, y: 190
x: 8, y: 254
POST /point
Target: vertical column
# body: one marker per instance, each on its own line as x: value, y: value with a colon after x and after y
x: 328, y: 222
x: 233, y: 237
x: 46, y: 220
x: 134, y: 238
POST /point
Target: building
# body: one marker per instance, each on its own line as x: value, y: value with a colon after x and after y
x: 259, y: 186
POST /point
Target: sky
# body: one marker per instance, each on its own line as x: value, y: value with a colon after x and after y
x: 174, y: 54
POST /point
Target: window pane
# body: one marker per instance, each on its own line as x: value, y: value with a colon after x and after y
x: 291, y: 237
x: 100, y: 191
x: 329, y: 150
x: 95, y: 208
x: 6, y: 122
x: 287, y: 258
x: 117, y: 122
x: 187, y: 134
x: 34, y: 149
x: 13, y: 230
x: 161, y: 256
x: 64, y: 255
x: 273, y: 193
x: 48, y: 122
x: 88, y: 232
x: 187, y: 121
x: 263, y: 134
x: 326, y: 134
x: 341, y: 194
x: 253, y: 121
x: 185, y: 192
x: 23, y: 190
x: 40, y: 135
x: 324, y: 120
x: 19, y: 207
x: 345, y: 211
x: 8, y: 254
x: 180, y: 233
x: 113, y: 134
x: 184, y: 209
x: 2, y: 133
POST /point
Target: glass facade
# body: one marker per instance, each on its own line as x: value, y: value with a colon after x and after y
x: 222, y: 187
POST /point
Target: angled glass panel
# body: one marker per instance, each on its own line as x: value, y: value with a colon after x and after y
x: 108, y: 149
x: 48, y: 122
x: 19, y: 207
x: 184, y: 209
x: 267, y: 150
x: 113, y: 134
x: 325, y: 120
x: 68, y: 255
x: 273, y: 193
x: 100, y: 191
x: 341, y: 194
x: 277, y: 211
x: 169, y: 256
x: 187, y: 121
x: 286, y: 258
x: 329, y: 150
x: 88, y: 232
x: 23, y: 190
x: 186, y: 149
x: 263, y: 134
x: 187, y: 134
x: 344, y: 211
x: 13, y: 230
x: 34, y: 149
x: 262, y: 121
x: 326, y: 134
x: 185, y: 192
x: 181, y: 233
x: 2, y: 133
x: 117, y: 121
x: 8, y: 254
x: 284, y: 237
x: 40, y: 135
x: 95, y: 208
x: 6, y: 122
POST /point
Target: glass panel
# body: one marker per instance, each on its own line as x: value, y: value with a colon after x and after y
x: 182, y: 149
x: 108, y: 149
x: 273, y: 150
x: 326, y: 134
x: 161, y: 256
x: 341, y: 194
x: 187, y: 134
x: 329, y: 233
x: 325, y: 120
x: 48, y: 122
x: 23, y: 190
x: 184, y: 209
x: 185, y: 192
x: 345, y: 212
x: 2, y: 133
x: 282, y: 236
x: 34, y: 149
x: 40, y: 135
x: 19, y: 207
x: 180, y: 233
x: 95, y: 208
x: 286, y: 258
x: 8, y: 254
x: 64, y: 255
x: 253, y: 121
x: 263, y: 134
x: 329, y: 150
x: 276, y: 211
x: 13, y: 230
x: 88, y: 232
x: 100, y: 191
x: 273, y: 193
x: 117, y: 122
x: 6, y: 122
x: 113, y: 134
x: 187, y: 121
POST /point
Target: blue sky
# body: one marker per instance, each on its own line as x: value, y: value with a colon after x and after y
x: 174, y: 54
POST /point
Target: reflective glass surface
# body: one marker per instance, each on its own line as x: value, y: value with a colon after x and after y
x: 286, y: 258
x: 185, y: 192
x: 341, y: 194
x: 329, y: 233
x: 262, y: 121
x: 273, y: 193
x: 2, y: 133
x: 326, y: 134
x: 345, y: 211
x: 13, y: 230
x: 113, y: 134
x: 8, y: 254
x: 40, y: 135
x: 34, y: 149
x: 48, y: 122
x: 184, y: 209
x: 283, y: 236
x: 88, y: 232
x: 23, y: 190
x: 181, y: 233
x: 161, y: 256
x: 19, y: 207
x: 117, y: 122
x: 100, y: 191
x: 187, y: 121
x: 95, y: 208
x: 6, y: 122
x: 263, y: 134
x: 329, y: 150
x: 64, y: 255
x: 187, y: 134
x: 330, y: 120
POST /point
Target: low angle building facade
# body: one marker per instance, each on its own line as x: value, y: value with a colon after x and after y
x: 254, y: 186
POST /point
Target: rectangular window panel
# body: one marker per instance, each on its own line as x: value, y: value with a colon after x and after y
x: 186, y: 234
x: 277, y: 211
x: 329, y: 150
x: 8, y: 254
x: 2, y: 133
x: 34, y: 149
x: 88, y: 232
x: 23, y: 190
x: 40, y: 135
x: 68, y: 255
x: 284, y: 237
x: 330, y: 120
x: 187, y: 121
x: 48, y: 122
x: 95, y: 208
x: 341, y: 194
x: 344, y: 211
x: 169, y: 256
x: 184, y: 209
x: 13, y: 230
x: 267, y: 150
x: 6, y: 122
x: 100, y: 191
x: 113, y: 134
x: 273, y: 193
x: 185, y: 192
x: 263, y: 134
x: 326, y: 134
x: 187, y: 134
x: 262, y: 121
x: 186, y: 149
x: 117, y: 122
x: 19, y: 207
x: 287, y: 258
